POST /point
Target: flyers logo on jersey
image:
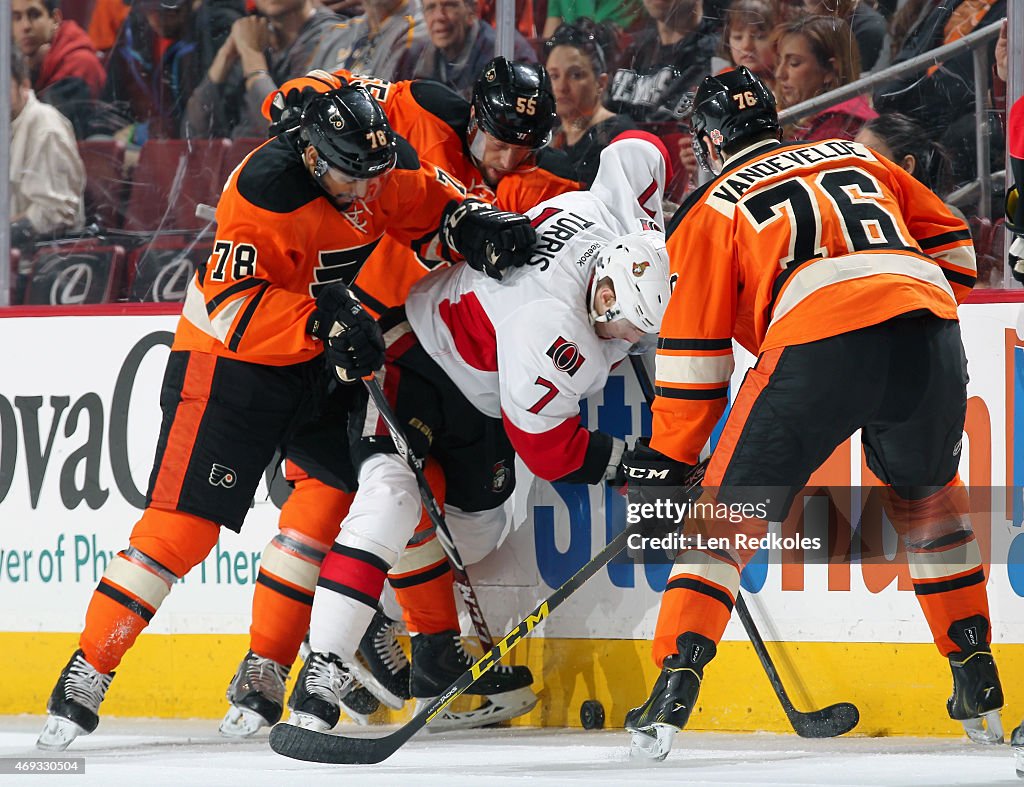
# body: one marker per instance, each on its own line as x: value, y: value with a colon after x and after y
x: 566, y: 356
x: 220, y: 475
x: 640, y: 267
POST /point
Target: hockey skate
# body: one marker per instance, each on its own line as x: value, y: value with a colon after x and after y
x: 359, y: 703
x: 256, y: 694
x: 655, y: 723
x: 382, y: 666
x: 977, y: 695
x: 439, y: 659
x: 315, y: 702
x: 74, y: 705
x: 1017, y: 741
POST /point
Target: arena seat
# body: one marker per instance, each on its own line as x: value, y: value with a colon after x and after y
x: 172, y: 176
x: 14, y: 265
x: 75, y: 273
x: 105, y: 184
x: 161, y: 271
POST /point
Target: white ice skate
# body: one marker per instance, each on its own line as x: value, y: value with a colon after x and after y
x: 645, y: 746
x: 58, y: 734
x: 987, y: 728
x: 496, y: 707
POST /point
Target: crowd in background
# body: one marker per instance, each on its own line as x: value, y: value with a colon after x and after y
x: 137, y: 72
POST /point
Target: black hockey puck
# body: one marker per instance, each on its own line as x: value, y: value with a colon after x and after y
x: 592, y: 715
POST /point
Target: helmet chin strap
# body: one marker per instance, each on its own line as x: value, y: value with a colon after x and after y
x: 477, y: 143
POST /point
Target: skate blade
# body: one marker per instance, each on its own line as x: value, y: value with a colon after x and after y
x: 374, y: 686
x: 241, y: 723
x: 308, y: 722
x: 58, y: 733
x: 497, y: 707
x: 986, y: 729
x: 1018, y: 759
x: 362, y: 719
x: 652, y: 743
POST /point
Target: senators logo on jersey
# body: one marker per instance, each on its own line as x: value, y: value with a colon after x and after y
x: 566, y: 356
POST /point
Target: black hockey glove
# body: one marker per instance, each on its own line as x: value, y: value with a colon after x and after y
x: 491, y: 240
x: 654, y: 480
x: 353, y: 342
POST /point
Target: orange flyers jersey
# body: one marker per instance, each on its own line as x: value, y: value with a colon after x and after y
x: 790, y: 244
x: 435, y: 121
x: 279, y: 239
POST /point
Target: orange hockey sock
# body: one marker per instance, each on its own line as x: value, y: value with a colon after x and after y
x: 165, y: 545
x: 281, y: 603
x: 699, y: 597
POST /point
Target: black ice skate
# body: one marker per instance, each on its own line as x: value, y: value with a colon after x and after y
x: 315, y: 702
x: 383, y: 667
x: 74, y: 705
x: 439, y: 659
x: 359, y: 703
x: 673, y: 698
x: 256, y: 694
x: 977, y: 695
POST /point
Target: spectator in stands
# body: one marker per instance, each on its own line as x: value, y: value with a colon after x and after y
x: 945, y: 92
x: 902, y: 140
x: 747, y: 37
x: 621, y: 13
x: 105, y: 23
x: 375, y: 42
x: 286, y: 39
x: 161, y: 53
x: 46, y: 173
x: 343, y: 8
x: 818, y: 54
x: 661, y: 68
x: 869, y: 26
x: 458, y: 47
x: 63, y: 67
x: 576, y: 58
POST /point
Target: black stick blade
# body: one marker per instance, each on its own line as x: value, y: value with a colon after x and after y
x: 302, y: 744
x: 830, y: 722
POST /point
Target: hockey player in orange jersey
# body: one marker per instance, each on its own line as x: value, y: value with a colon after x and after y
x: 296, y: 220
x: 842, y: 274
x: 497, y: 141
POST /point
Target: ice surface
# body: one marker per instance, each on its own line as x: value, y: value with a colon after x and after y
x: 150, y: 752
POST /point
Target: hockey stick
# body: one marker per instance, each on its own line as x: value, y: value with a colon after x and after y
x: 828, y: 722
x: 305, y: 744
x: 434, y: 512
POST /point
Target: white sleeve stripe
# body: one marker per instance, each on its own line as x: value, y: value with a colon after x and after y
x: 226, y: 318
x: 961, y: 256
x: 693, y: 369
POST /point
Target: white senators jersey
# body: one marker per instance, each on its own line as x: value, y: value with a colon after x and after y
x: 524, y: 349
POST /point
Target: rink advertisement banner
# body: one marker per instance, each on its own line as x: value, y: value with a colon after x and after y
x: 79, y: 419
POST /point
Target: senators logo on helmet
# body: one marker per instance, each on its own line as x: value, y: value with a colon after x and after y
x: 640, y: 267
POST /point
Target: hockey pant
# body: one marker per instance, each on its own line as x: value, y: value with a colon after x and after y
x: 903, y: 383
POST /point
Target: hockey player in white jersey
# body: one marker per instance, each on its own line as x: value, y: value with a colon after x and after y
x: 480, y: 369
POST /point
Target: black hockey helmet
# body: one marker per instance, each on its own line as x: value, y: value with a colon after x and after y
x: 350, y: 132
x: 730, y: 108
x: 513, y: 102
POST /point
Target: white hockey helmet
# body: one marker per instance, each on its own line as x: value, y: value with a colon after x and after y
x: 638, y: 266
